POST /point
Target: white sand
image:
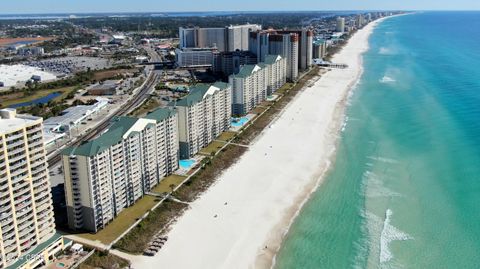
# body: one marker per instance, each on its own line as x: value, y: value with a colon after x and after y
x: 270, y: 182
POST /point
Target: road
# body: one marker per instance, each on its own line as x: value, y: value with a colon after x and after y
x: 137, y: 100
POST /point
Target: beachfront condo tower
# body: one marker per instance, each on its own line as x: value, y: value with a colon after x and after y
x: 27, y: 225
x: 110, y: 173
x: 254, y: 83
x: 202, y: 116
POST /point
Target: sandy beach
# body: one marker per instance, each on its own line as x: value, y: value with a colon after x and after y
x: 241, y: 220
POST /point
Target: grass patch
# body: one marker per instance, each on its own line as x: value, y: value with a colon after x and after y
x: 166, y: 183
x: 105, y: 260
x: 285, y: 87
x: 226, y: 136
x: 212, y: 148
x: 137, y: 239
x: 201, y: 181
x: 111, y: 74
x: 258, y: 110
x: 22, y: 97
x: 146, y: 107
x: 123, y: 221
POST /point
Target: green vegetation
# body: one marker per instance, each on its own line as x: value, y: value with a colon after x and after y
x: 123, y: 221
x: 138, y: 238
x: 27, y: 96
x: 147, y: 106
x: 212, y: 148
x: 104, y: 260
x: 212, y: 168
x: 226, y: 136
x: 165, y: 186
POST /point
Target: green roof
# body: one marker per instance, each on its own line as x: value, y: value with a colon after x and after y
x: 35, y: 251
x: 245, y: 71
x: 271, y: 59
x: 113, y: 136
x: 197, y: 92
x: 160, y: 114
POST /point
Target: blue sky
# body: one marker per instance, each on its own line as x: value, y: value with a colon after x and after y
x: 56, y: 6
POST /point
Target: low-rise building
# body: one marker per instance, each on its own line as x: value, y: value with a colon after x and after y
x: 110, y: 173
x: 202, y: 116
x: 108, y: 87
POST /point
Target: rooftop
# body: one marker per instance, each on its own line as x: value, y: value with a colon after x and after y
x: 199, y: 92
x: 10, y: 121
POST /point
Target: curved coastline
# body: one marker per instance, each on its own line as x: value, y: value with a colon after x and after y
x: 249, y: 231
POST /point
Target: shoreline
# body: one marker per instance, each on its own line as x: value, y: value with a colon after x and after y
x: 263, y: 211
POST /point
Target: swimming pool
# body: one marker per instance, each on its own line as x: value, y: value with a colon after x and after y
x: 239, y: 122
x: 186, y: 164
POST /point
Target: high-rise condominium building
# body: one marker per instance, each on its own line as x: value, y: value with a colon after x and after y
x: 340, y: 25
x: 202, y: 116
x: 26, y: 213
x: 254, y: 83
x: 263, y: 43
x: 228, y: 63
x: 110, y: 173
x: 284, y: 43
x: 230, y: 38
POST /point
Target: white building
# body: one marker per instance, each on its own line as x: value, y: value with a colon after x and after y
x: 26, y: 213
x: 340, y: 25
x: 254, y: 83
x: 202, y: 116
x: 285, y: 44
x: 113, y: 171
x: 194, y: 57
x: 230, y: 38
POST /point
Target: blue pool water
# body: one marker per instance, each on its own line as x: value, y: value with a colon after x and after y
x: 42, y: 100
x: 186, y: 164
x: 239, y: 122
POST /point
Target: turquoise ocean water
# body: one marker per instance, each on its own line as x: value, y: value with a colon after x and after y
x: 405, y: 188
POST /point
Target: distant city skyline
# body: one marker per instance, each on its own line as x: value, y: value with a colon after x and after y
x: 91, y: 6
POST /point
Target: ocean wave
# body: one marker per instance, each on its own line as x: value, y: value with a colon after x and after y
x: 385, y: 51
x: 382, y: 159
x: 387, y: 79
x: 389, y: 234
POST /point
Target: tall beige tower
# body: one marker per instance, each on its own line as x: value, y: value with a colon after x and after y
x: 26, y: 211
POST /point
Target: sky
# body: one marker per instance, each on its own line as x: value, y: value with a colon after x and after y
x: 79, y: 6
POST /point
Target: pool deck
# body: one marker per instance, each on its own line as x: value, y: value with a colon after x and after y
x: 237, y: 128
x: 184, y: 171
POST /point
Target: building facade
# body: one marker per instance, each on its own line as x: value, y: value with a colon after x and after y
x: 340, y: 27
x: 230, y: 38
x: 195, y: 57
x: 254, y: 83
x: 319, y: 49
x: 228, y: 63
x: 110, y: 173
x: 202, y: 116
x: 26, y: 212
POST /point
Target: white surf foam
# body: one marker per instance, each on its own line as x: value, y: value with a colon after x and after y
x: 384, y: 51
x: 383, y: 159
x: 389, y: 234
x: 387, y: 79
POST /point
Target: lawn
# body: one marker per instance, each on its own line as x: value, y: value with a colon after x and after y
x: 226, y: 136
x: 104, y: 260
x: 212, y: 148
x: 285, y: 87
x: 258, y: 110
x: 148, y: 106
x: 20, y: 97
x: 164, y: 185
x: 123, y: 221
